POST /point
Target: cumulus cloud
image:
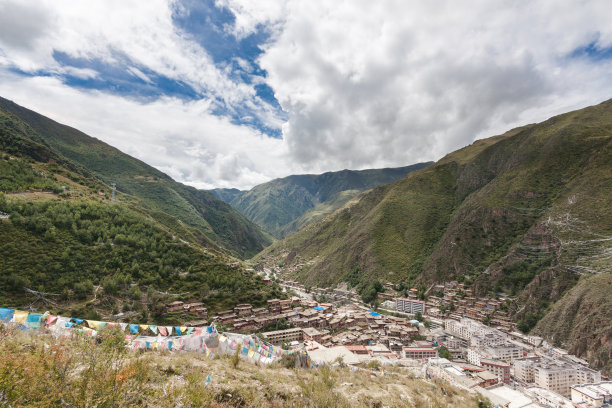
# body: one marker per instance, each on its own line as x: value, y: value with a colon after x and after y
x: 181, y: 138
x: 364, y: 84
x: 393, y: 82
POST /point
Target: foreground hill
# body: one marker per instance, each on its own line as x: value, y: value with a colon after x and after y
x: 282, y: 206
x: 527, y: 212
x: 60, y: 234
x: 81, y: 371
x: 216, y: 223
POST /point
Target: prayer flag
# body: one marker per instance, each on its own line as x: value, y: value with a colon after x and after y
x: 94, y: 324
x: 133, y: 328
x: 20, y: 316
x: 6, y: 314
x: 153, y: 328
x: 33, y: 321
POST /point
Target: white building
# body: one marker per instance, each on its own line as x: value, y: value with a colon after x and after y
x: 593, y: 394
x: 507, y: 352
x: 549, y: 398
x: 468, y: 328
x: 410, y: 306
x: 554, y: 375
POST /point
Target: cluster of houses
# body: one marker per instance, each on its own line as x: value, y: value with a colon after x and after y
x: 510, y: 368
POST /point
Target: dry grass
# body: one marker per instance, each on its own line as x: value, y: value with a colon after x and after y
x: 38, y: 370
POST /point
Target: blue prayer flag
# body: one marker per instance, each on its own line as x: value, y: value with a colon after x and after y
x: 6, y: 314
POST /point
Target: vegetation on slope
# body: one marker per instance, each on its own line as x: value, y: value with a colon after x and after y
x: 40, y: 370
x: 582, y: 321
x: 218, y: 223
x: 60, y: 234
x: 526, y: 213
x: 282, y: 206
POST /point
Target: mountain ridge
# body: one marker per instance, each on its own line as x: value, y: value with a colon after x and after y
x: 282, y: 206
x: 526, y: 212
x: 220, y: 224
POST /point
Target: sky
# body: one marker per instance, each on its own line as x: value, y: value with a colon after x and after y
x: 233, y: 93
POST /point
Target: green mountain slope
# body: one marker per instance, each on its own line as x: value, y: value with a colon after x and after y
x: 60, y: 234
x: 280, y: 206
x: 217, y: 223
x: 527, y: 212
x: 227, y: 194
x: 582, y: 320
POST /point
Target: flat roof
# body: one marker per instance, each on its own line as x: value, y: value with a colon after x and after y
x: 595, y: 390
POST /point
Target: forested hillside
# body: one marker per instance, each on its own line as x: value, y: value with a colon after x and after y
x: 217, y: 223
x: 527, y: 213
x: 282, y: 206
x: 61, y: 235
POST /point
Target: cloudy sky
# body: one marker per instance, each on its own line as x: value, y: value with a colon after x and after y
x: 232, y: 93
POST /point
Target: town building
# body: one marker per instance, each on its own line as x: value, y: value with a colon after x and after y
x: 554, y: 374
x: 419, y: 353
x: 592, y: 395
x: 500, y: 368
x: 279, y: 337
x: 410, y: 306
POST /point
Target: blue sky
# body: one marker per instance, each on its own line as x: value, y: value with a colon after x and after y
x: 205, y: 23
x: 232, y: 93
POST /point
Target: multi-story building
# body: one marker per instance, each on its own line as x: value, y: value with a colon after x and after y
x: 284, y: 336
x: 592, y: 395
x: 488, y: 339
x: 507, y: 352
x: 548, y: 398
x: 312, y: 334
x: 468, y: 328
x: 411, y: 306
x: 419, y: 353
x: 244, y: 309
x: 553, y: 374
x: 500, y: 368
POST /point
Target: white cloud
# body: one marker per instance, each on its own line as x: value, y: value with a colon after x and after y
x: 393, y: 82
x: 183, y: 139
x: 365, y: 84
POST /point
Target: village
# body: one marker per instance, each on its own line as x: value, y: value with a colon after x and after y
x: 442, y: 338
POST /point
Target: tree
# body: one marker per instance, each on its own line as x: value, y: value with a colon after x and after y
x: 444, y: 353
x: 418, y: 316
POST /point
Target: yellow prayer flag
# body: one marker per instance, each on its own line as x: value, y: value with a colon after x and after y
x: 93, y: 324
x: 183, y: 329
x: 144, y: 326
x: 20, y: 316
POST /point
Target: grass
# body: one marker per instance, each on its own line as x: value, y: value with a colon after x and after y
x: 40, y: 370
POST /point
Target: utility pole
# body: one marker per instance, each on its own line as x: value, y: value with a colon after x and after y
x: 114, y: 188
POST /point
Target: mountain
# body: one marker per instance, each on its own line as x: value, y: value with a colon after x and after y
x: 227, y: 194
x: 66, y: 247
x: 284, y: 205
x: 215, y: 223
x: 526, y: 212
